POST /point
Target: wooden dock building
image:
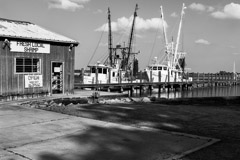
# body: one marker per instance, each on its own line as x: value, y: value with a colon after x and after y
x: 34, y: 60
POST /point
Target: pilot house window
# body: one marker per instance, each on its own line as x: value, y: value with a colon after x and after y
x: 27, y: 65
x: 99, y: 70
x: 93, y: 70
x: 104, y: 71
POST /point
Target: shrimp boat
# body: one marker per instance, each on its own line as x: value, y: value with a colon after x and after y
x: 171, y: 67
x: 121, y: 64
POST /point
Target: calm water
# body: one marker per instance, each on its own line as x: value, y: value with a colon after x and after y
x: 223, y: 91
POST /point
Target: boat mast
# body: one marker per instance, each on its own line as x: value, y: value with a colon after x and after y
x: 131, y: 38
x: 167, y: 46
x: 164, y: 29
x: 178, y: 37
x: 110, y: 38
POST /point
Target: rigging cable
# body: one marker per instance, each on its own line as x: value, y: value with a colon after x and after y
x: 154, y: 42
x: 174, y: 27
x: 104, y: 57
x: 125, y: 32
x: 97, y: 44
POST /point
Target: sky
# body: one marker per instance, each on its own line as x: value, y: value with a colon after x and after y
x: 210, y: 32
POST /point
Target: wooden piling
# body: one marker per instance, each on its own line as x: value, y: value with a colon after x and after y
x: 159, y: 76
x: 140, y: 76
x: 96, y: 75
x: 159, y: 91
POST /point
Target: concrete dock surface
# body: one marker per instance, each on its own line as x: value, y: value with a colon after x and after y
x: 33, y: 134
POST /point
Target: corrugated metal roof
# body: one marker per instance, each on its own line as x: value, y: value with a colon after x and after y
x: 27, y: 30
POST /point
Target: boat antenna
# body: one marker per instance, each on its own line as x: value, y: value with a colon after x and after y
x: 110, y: 37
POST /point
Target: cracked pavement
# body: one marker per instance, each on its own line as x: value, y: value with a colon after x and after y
x: 32, y: 134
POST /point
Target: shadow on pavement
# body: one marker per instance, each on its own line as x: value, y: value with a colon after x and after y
x: 100, y: 143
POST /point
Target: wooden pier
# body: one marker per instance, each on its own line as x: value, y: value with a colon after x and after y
x: 197, y: 80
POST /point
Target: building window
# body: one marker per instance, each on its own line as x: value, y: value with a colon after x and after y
x: 27, y: 65
x: 99, y: 70
x: 104, y: 71
x: 93, y: 70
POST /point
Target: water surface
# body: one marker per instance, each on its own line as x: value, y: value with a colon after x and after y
x: 222, y: 91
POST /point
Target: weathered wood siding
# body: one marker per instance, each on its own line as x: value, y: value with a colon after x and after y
x: 12, y: 83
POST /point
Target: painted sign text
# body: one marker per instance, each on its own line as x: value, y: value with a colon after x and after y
x: 29, y: 47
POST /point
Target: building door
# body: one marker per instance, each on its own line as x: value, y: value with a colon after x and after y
x: 57, y: 82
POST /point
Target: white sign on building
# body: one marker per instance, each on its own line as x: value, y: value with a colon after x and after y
x: 33, y: 81
x: 29, y: 47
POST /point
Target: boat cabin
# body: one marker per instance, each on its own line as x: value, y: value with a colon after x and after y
x: 158, y: 70
x: 100, y: 73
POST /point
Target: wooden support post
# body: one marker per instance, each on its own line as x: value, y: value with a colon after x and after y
x: 197, y: 77
x: 159, y: 76
x: 159, y: 91
x: 109, y: 75
x: 203, y: 77
x: 140, y: 90
x: 151, y: 76
x: 81, y: 76
x: 150, y: 89
x: 216, y: 79
x: 182, y: 76
x: 211, y: 79
x: 187, y: 76
x: 164, y: 87
x: 140, y: 76
x: 180, y: 87
x: 168, y: 76
x: 131, y: 91
x: 225, y: 79
x: 131, y: 76
x: 175, y: 77
x: 120, y: 76
x: 208, y: 79
x: 96, y: 76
